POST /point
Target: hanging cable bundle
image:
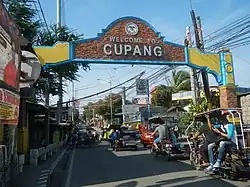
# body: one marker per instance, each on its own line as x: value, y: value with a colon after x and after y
x: 233, y: 35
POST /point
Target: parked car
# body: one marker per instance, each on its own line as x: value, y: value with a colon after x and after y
x: 127, y: 140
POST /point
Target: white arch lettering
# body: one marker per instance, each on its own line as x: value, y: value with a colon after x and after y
x: 158, y: 51
x: 137, y: 50
x: 105, y: 49
x: 127, y: 48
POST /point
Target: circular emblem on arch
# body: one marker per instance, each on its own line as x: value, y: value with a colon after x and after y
x: 229, y: 68
x: 131, y: 28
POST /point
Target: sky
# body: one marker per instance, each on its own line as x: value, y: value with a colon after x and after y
x: 170, y: 17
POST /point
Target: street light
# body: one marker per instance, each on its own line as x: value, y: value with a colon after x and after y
x: 110, y: 98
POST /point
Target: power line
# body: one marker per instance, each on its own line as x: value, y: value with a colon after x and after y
x: 101, y: 92
x: 44, y: 19
x: 233, y: 35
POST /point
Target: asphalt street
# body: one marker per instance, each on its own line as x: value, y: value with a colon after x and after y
x: 101, y: 167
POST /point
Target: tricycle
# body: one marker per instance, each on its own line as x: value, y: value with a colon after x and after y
x: 171, y: 146
x: 234, y: 164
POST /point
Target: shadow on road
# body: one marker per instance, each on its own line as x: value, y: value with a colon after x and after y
x: 99, y: 166
x: 190, y: 181
x: 128, y: 184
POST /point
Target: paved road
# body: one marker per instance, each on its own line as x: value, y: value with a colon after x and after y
x: 101, y: 167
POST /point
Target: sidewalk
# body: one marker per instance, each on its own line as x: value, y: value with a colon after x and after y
x: 31, y: 173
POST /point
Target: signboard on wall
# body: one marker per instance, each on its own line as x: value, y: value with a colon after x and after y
x: 142, y: 87
x: 9, y: 107
x: 131, y: 112
x: 182, y: 95
x: 140, y: 101
x: 9, y: 49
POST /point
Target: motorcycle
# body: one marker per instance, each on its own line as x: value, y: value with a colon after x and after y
x: 234, y: 165
x: 164, y: 149
x: 195, y: 157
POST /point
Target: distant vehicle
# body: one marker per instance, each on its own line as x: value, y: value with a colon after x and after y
x: 146, y: 138
x: 127, y: 139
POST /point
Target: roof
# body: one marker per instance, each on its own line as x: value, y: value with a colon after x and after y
x: 216, y: 112
x: 35, y: 107
x: 243, y: 94
x: 176, y: 107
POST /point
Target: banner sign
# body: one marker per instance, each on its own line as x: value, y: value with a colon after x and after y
x: 182, y: 95
x: 142, y: 87
x: 140, y: 101
x: 131, y: 112
x: 9, y: 49
x: 9, y: 107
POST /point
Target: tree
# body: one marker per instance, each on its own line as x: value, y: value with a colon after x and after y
x: 162, y: 96
x: 66, y: 71
x: 24, y: 15
x: 187, y: 118
x: 181, y: 81
x: 102, y: 107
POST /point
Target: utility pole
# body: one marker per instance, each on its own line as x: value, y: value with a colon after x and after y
x: 58, y: 13
x: 123, y: 102
x: 148, y: 92
x: 93, y: 113
x: 73, y: 103
x: 195, y: 75
x: 60, y: 101
x: 200, y: 46
x: 111, y: 104
x: 189, y: 43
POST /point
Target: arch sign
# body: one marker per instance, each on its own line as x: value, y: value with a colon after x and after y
x: 131, y: 40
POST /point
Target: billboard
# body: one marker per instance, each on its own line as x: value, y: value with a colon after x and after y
x: 9, y: 107
x: 142, y: 87
x: 131, y: 112
x: 9, y: 50
x: 140, y: 101
x: 182, y: 95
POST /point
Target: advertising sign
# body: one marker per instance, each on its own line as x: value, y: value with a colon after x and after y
x: 9, y: 107
x: 140, y: 101
x: 131, y: 112
x: 9, y: 49
x: 182, y: 95
x: 142, y: 87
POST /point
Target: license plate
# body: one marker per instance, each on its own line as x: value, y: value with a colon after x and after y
x: 130, y: 144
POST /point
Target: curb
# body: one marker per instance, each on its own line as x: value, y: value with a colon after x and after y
x: 44, y: 178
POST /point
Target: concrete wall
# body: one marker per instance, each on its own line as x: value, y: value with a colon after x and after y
x: 245, y: 105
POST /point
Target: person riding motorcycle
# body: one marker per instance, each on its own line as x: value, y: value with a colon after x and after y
x: 210, y: 137
x: 161, y: 135
x: 114, y: 136
x: 226, y: 138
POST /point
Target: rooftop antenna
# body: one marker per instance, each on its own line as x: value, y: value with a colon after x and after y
x: 191, y: 5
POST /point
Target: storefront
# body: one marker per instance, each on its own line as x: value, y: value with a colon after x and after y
x: 9, y: 91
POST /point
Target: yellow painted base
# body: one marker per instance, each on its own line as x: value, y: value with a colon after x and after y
x: 1, y: 134
x: 23, y: 140
x: 56, y: 137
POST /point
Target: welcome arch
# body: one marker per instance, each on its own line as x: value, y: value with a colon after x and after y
x: 131, y: 40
